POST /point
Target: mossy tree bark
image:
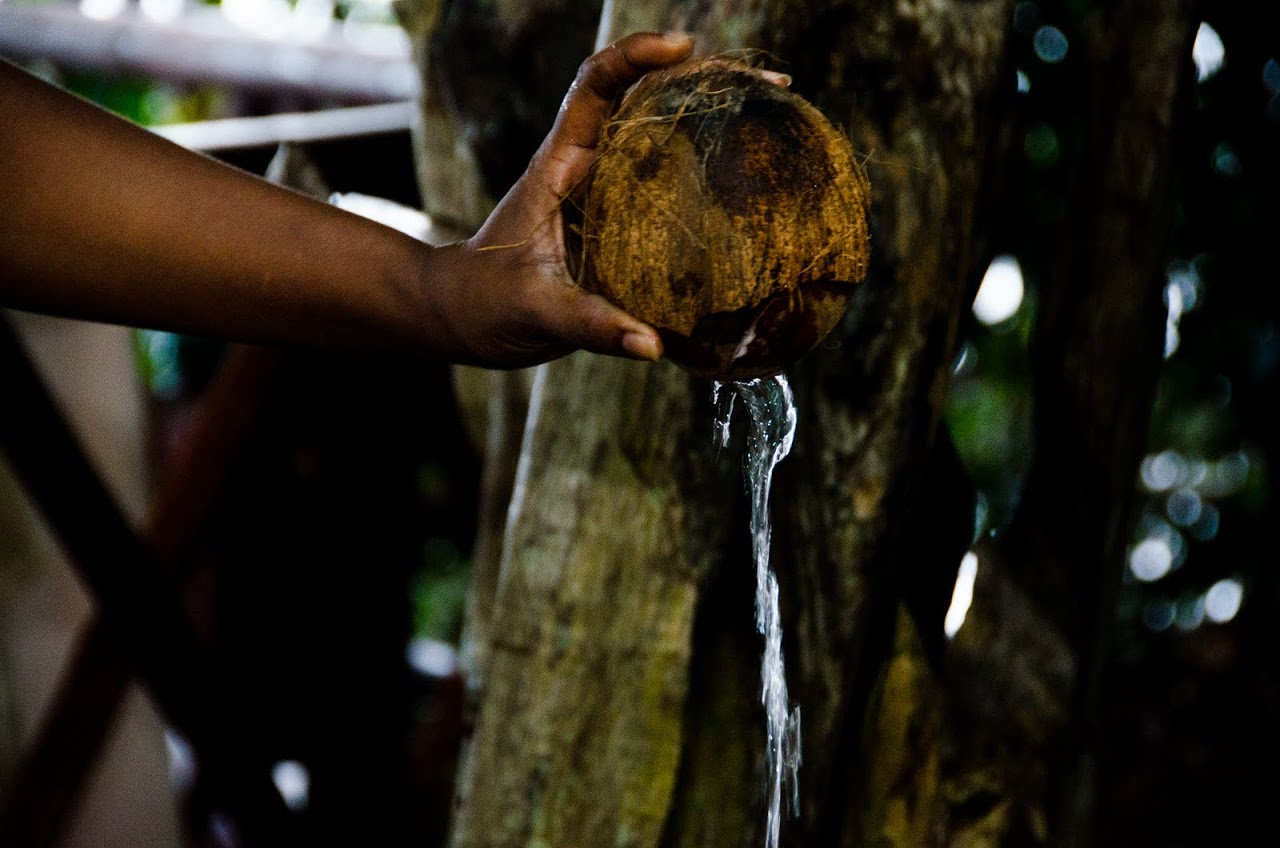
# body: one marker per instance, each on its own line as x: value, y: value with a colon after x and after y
x: 492, y: 76
x: 618, y: 676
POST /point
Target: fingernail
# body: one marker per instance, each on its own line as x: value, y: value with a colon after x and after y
x: 642, y: 346
x: 678, y: 39
x: 776, y: 78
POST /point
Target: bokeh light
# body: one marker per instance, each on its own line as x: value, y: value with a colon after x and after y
x: 1050, y: 44
x: 1271, y: 76
x: 162, y: 11
x: 1158, y: 614
x: 1163, y: 470
x: 1226, y: 162
x: 411, y: 222
x: 102, y: 10
x: 1222, y: 601
x: 265, y: 18
x: 1001, y: 291
x: 1184, y: 506
x: 961, y: 595
x: 1207, y: 52
x: 182, y: 760
x: 431, y: 657
x: 293, y: 782
x: 1181, y: 295
x: 1041, y: 144
x: 1173, y: 301
x: 1151, y: 559
x: 1190, y: 614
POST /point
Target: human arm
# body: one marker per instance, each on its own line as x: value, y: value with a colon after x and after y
x: 100, y: 219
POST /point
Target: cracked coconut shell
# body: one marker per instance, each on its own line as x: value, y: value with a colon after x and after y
x: 728, y: 213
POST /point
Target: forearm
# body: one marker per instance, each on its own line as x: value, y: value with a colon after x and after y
x: 100, y: 219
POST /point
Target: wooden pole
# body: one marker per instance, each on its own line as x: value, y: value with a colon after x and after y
x: 201, y: 46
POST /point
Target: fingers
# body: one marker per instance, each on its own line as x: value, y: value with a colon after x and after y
x: 603, y: 78
x: 565, y: 157
x: 590, y: 322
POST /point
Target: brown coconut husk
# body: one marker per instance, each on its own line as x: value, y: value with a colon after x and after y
x: 728, y: 213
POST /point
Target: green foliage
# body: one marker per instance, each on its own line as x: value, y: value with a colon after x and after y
x: 143, y: 101
x: 438, y: 591
x: 989, y: 413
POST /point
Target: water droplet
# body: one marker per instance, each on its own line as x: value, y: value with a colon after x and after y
x: 723, y: 402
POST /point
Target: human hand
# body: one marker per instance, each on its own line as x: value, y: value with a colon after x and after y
x: 515, y: 303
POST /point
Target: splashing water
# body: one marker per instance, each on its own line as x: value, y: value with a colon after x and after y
x: 773, y: 424
x: 724, y: 412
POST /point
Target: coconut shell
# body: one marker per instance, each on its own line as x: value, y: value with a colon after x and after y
x: 728, y: 213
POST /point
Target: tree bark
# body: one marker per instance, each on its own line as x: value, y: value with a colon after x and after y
x: 620, y: 695
x: 583, y: 706
x: 490, y: 76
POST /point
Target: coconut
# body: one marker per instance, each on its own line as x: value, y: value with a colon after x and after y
x: 728, y: 213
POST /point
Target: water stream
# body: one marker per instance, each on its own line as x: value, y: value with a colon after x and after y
x: 772, y: 413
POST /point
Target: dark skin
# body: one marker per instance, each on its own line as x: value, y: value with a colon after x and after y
x: 101, y: 220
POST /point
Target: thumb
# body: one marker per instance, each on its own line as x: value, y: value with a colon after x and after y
x: 590, y: 322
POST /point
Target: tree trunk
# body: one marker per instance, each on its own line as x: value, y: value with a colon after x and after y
x: 483, y: 114
x: 619, y: 681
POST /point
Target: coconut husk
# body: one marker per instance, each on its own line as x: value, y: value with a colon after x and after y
x: 728, y: 213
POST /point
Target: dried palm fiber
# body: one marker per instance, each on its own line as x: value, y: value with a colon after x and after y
x: 728, y: 213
